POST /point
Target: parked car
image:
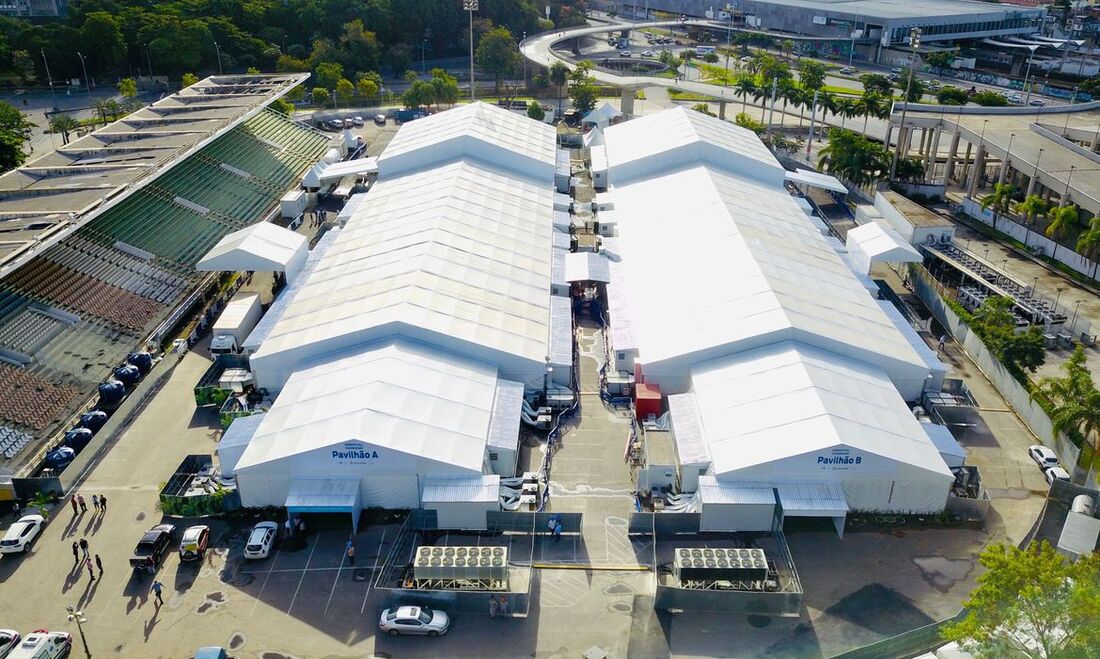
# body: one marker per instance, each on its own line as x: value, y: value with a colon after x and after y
x: 150, y: 550
x: 380, y: 119
x: 261, y: 540
x: 9, y: 638
x: 1055, y: 473
x: 1043, y: 456
x: 194, y: 543
x: 1036, y: 102
x: 21, y: 534
x: 357, y: 120
x: 896, y: 70
x: 414, y: 620
x: 43, y: 645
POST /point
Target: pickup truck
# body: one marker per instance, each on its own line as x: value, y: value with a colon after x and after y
x: 152, y: 547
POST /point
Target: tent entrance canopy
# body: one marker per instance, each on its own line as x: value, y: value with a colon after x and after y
x: 325, y: 496
x: 816, y: 180
x: 262, y: 247
x: 814, y: 500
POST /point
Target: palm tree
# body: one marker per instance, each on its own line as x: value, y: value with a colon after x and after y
x: 827, y: 103
x: 1032, y: 207
x: 1063, y: 221
x: 744, y: 88
x: 802, y: 99
x: 1089, y: 241
x: 999, y: 200
x: 761, y: 94
x: 869, y: 105
x: 559, y: 75
x: 1074, y: 399
x: 64, y: 124
x: 847, y: 109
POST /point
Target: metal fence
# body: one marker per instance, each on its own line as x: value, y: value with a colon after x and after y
x: 908, y: 644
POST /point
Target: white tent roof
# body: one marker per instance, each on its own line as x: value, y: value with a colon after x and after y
x: 680, y: 137
x: 744, y: 263
x: 817, y: 180
x: 477, y: 130
x: 263, y: 247
x: 943, y: 440
x: 882, y: 244
x: 687, y: 429
x: 712, y: 490
x: 812, y: 499
x: 586, y: 266
x: 324, y: 173
x: 456, y: 254
x: 240, y: 432
x: 789, y: 399
x: 602, y: 114
x: 403, y: 396
x: 481, y: 489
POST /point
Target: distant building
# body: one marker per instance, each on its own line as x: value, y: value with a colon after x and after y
x: 29, y: 8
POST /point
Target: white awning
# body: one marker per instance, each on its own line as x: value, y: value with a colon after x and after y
x: 587, y: 266
x: 816, y: 180
x: 812, y: 500
x: 483, y: 489
x: 323, y: 495
x: 322, y: 174
x: 262, y: 247
x: 714, y: 491
x: 882, y: 244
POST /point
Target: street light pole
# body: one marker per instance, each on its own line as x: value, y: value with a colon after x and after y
x: 1073, y: 324
x: 1007, y: 160
x: 48, y: 76
x: 219, y: 52
x: 77, y: 616
x: 87, y: 80
x: 471, y: 6
x: 914, y: 43
x: 1027, y: 72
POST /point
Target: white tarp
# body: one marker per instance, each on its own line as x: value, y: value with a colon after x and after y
x: 235, y: 440
x: 262, y: 247
x: 817, y: 180
x: 602, y: 116
x: 586, y: 266
x: 876, y: 243
x: 327, y: 173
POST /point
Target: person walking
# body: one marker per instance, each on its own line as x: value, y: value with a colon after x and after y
x: 302, y: 527
x: 102, y: 504
x: 15, y: 510
x: 943, y: 342
x: 76, y: 552
x: 91, y: 571
x: 72, y: 500
x: 83, y: 504
x: 99, y: 565
x: 351, y: 553
x: 289, y: 526
x: 504, y: 611
x: 95, y: 503
x: 84, y: 546
x: 494, y: 607
x: 157, y: 587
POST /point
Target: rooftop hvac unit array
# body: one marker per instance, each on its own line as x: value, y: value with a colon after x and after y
x: 461, y: 563
x: 720, y: 564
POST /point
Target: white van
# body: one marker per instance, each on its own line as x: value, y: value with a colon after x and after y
x: 43, y: 645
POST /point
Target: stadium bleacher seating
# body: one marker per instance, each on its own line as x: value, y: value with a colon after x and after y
x: 29, y: 400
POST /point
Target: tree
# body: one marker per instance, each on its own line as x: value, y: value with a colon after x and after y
x: 1032, y: 207
x: 1032, y: 603
x: 345, y: 89
x: 855, y: 157
x: 101, y: 40
x: 870, y: 105
x: 23, y: 63
x: 15, y: 131
x: 108, y: 110
x: 327, y: 74
x: 916, y: 88
x: 875, y: 83
x: 711, y: 58
x: 995, y: 323
x: 296, y: 94
x: 744, y: 88
x: 703, y: 108
x: 398, y: 57
x: 1088, y: 243
x: 1064, y: 220
x: 535, y: 111
x: 63, y: 124
x: 128, y: 88
x: 811, y: 74
x: 745, y: 121
x: 421, y: 93
x: 282, y: 106
x: 989, y: 98
x: 446, y: 87
x: 252, y: 71
x: 188, y: 79
x: 999, y: 201
x: 368, y: 84
x: 497, y: 54
x: 939, y: 60
x: 787, y: 46
x: 1073, y: 400
x: 909, y: 169
x: 583, y: 88
x: 319, y: 95
x: 559, y: 76
x: 950, y: 95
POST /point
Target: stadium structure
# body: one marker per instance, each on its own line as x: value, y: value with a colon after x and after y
x: 99, y: 239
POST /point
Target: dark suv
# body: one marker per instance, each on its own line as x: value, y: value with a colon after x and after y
x: 152, y: 547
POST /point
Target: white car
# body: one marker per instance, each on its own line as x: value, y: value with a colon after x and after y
x: 1036, y: 102
x: 261, y: 540
x: 1042, y: 456
x: 43, y: 645
x: 1016, y: 98
x: 21, y: 534
x: 414, y: 620
x: 847, y: 70
x: 647, y: 53
x: 1055, y: 474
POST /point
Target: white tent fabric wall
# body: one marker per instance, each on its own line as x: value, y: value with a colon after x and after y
x: 875, y: 243
x: 234, y: 441
x: 262, y: 247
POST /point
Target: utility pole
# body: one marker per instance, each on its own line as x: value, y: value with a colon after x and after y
x: 771, y: 111
x: 813, y: 115
x: 219, y: 51
x: 87, y: 80
x: 471, y: 6
x: 78, y: 617
x: 49, y: 77
x: 1030, y: 58
x: 914, y: 43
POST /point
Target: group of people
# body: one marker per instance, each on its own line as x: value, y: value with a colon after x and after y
x: 80, y: 505
x: 319, y: 217
x: 499, y: 607
x: 82, y: 557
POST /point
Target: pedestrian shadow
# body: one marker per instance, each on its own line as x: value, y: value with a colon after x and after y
x: 73, y: 577
x: 152, y: 623
x: 70, y: 528
x: 93, y: 525
x: 89, y: 592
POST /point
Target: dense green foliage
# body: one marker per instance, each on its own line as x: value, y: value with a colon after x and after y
x: 122, y: 37
x: 1019, y: 352
x: 989, y: 98
x: 15, y: 130
x: 1072, y: 400
x: 1032, y: 602
x: 950, y: 95
x: 854, y: 157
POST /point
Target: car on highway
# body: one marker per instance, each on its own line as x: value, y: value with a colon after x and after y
x: 624, y: 53
x: 1043, y: 456
x: 21, y: 534
x: 43, y: 645
x: 1036, y: 102
x: 414, y: 620
x: 846, y: 70
x: 194, y: 543
x: 896, y: 70
x: 261, y: 540
x: 151, y: 548
x: 1055, y: 474
x: 1016, y: 98
x: 9, y: 638
x: 647, y: 53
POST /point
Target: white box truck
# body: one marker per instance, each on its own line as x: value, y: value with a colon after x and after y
x: 233, y: 326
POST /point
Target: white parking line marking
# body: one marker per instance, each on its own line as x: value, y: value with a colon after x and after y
x: 335, y: 581
x: 260, y: 594
x: 316, y: 539
x: 373, y: 571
